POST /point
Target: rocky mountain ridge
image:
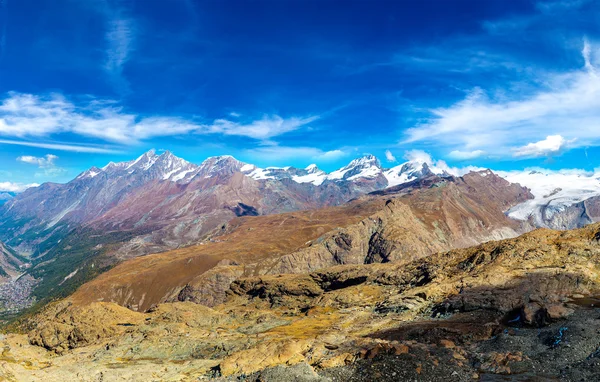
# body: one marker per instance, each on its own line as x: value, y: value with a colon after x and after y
x: 401, y: 225
x: 521, y: 308
x: 72, y: 232
x: 34, y: 221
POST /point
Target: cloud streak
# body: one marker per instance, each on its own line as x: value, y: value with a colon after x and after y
x: 119, y: 37
x: 567, y: 105
x: 27, y: 116
x: 283, y: 153
x: 16, y: 187
x: 62, y: 147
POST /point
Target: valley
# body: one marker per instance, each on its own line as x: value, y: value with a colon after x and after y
x: 199, y: 277
x: 504, y: 309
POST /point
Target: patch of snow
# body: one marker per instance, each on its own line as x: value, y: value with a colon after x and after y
x: 369, y: 172
x: 182, y: 175
x: 316, y: 178
x: 260, y: 174
x: 171, y: 173
x: 247, y: 167
x: 553, y: 191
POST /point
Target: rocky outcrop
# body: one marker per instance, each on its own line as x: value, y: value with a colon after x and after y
x: 451, y: 312
x: 62, y: 326
x: 406, y: 224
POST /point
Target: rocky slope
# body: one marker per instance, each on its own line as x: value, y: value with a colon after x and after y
x: 6, y: 196
x: 11, y: 264
x: 166, y: 201
x: 517, y: 309
x: 399, y: 225
x: 75, y: 231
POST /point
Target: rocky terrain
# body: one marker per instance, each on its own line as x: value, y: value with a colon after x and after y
x: 6, y: 196
x: 72, y: 232
x: 399, y: 225
x: 520, y: 309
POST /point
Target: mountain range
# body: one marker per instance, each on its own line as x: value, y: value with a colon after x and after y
x: 167, y: 201
x: 228, y: 269
x: 70, y: 233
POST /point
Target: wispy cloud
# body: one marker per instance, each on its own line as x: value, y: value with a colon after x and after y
x: 567, y: 105
x: 120, y: 35
x: 286, y: 153
x: 560, y: 5
x: 119, y: 38
x: 267, y: 127
x: 466, y: 155
x: 389, y: 156
x: 15, y: 187
x: 62, y: 147
x: 30, y: 116
x: 42, y: 162
x: 46, y: 164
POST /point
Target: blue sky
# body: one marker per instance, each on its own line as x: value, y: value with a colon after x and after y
x: 500, y: 84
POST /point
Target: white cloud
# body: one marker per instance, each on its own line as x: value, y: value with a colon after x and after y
x: 15, y: 187
x: 566, y: 105
x: 267, y: 127
x: 389, y: 156
x: 553, y: 144
x: 559, y: 5
x: 275, y: 152
x: 418, y: 156
x: 466, y: 155
x: 47, y: 164
x: 586, y: 52
x: 61, y: 147
x: 424, y: 157
x: 119, y: 37
x: 30, y: 116
x: 331, y: 155
x: 43, y: 162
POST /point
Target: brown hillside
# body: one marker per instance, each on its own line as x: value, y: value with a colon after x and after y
x: 522, y: 306
x: 412, y: 222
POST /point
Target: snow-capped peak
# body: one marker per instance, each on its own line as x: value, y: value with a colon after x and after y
x: 221, y: 165
x: 412, y: 170
x: 365, y: 167
x: 92, y: 172
x: 313, y: 169
x: 144, y: 161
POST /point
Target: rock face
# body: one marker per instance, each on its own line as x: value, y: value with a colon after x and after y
x: 401, y: 225
x: 169, y: 202
x: 72, y: 232
x: 514, y: 306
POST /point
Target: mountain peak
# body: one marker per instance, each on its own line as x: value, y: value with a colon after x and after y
x: 221, y: 165
x: 313, y: 169
x: 367, y: 166
x: 369, y: 160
